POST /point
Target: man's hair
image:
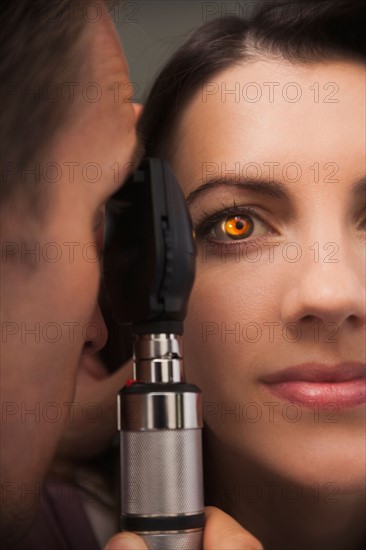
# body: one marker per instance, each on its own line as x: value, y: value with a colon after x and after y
x: 44, y: 57
x: 298, y: 31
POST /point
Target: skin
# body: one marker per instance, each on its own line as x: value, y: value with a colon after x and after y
x: 322, y: 456
x: 83, y: 438
x: 36, y: 372
x: 64, y: 291
x: 307, y: 453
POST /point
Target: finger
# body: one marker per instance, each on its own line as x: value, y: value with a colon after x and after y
x: 222, y: 532
x: 81, y: 437
x: 115, y: 381
x: 105, y: 392
x: 126, y: 541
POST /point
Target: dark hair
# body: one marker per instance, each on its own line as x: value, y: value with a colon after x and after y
x: 42, y: 48
x: 39, y: 46
x: 299, y: 31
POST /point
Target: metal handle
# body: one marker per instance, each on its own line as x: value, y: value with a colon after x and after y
x: 160, y: 427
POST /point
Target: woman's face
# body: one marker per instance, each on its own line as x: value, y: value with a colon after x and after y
x: 283, y: 283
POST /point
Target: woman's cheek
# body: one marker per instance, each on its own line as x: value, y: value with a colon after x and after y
x: 220, y: 334
x: 214, y: 308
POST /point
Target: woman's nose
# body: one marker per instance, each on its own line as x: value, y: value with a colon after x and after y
x: 96, y: 332
x: 327, y: 291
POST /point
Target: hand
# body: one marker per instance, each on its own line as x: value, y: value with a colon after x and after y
x: 84, y: 437
x: 221, y: 532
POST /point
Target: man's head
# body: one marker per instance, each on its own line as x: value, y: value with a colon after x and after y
x: 67, y: 142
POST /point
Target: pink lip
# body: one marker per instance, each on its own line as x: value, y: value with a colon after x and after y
x: 309, y: 383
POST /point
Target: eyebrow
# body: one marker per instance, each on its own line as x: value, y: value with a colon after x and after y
x: 359, y: 187
x: 273, y: 188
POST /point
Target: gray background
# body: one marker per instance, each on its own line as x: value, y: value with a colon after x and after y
x: 151, y: 30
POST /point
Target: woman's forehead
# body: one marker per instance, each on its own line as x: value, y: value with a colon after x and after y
x: 275, y: 112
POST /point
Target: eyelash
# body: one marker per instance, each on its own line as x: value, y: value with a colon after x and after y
x: 203, y: 228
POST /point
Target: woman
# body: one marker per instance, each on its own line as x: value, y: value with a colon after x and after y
x: 263, y: 124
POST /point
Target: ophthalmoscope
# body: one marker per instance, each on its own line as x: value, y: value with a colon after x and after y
x: 149, y: 268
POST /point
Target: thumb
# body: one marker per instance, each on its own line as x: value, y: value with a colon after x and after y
x: 125, y: 541
x: 222, y: 532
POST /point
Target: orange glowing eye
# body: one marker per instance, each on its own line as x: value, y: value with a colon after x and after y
x: 237, y: 227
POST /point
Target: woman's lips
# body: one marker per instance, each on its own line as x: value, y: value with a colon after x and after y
x: 310, y: 383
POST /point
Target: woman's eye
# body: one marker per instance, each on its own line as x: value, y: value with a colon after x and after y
x: 233, y: 227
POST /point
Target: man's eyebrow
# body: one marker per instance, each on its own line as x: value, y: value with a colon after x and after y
x: 273, y: 188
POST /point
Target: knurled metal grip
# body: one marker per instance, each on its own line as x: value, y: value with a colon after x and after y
x: 163, y: 472
x: 162, y: 487
x: 160, y: 423
x: 175, y: 540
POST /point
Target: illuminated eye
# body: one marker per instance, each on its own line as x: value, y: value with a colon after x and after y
x: 237, y: 227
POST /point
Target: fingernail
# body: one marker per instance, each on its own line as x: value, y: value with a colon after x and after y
x: 125, y: 541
